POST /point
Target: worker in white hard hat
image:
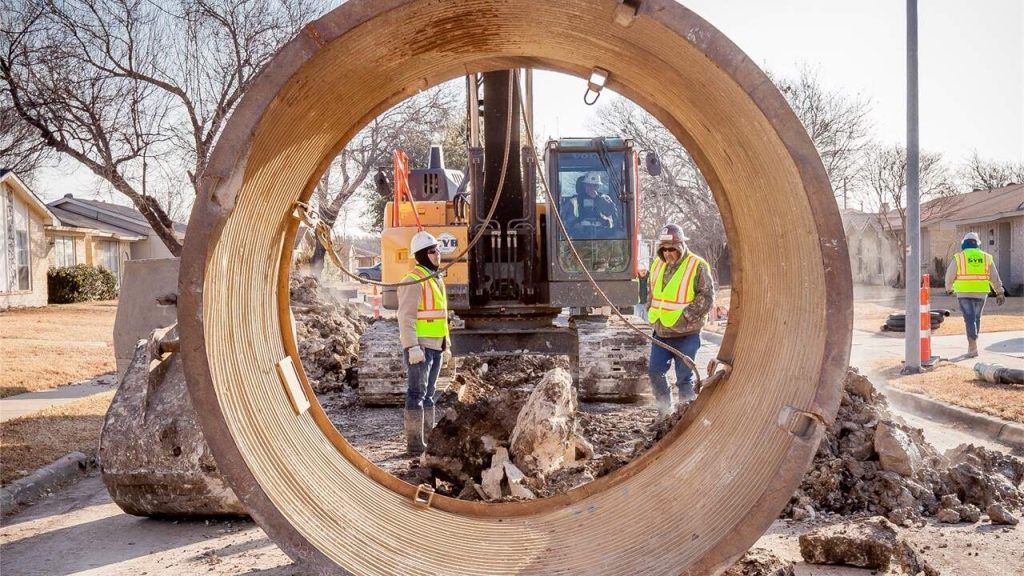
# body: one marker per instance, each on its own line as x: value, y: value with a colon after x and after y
x: 970, y: 275
x: 681, y: 294
x: 590, y: 210
x: 423, y: 332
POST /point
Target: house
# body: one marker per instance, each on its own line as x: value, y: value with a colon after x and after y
x: 874, y: 256
x: 105, y: 234
x: 996, y: 214
x: 24, y: 248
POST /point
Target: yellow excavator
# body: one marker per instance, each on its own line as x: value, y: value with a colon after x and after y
x: 518, y: 286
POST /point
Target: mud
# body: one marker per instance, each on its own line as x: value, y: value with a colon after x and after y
x: 327, y: 334
x: 871, y: 462
x: 760, y: 562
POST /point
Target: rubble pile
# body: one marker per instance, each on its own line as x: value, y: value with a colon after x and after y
x: 871, y: 462
x: 760, y: 562
x: 478, y: 411
x: 504, y: 425
x: 327, y: 334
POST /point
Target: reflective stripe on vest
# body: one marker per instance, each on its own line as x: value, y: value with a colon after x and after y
x: 432, y: 310
x: 669, y: 300
x: 972, y: 271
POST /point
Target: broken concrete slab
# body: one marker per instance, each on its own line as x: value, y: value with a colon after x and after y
x: 544, y: 438
x: 998, y: 514
x: 896, y: 451
x: 871, y: 543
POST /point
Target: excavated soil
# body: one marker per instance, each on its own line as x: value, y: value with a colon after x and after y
x: 871, y: 462
x: 327, y: 333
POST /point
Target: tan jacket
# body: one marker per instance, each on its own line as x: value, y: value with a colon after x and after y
x: 408, y: 302
x: 696, y: 312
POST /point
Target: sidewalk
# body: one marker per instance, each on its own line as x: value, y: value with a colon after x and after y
x: 20, y: 405
x: 1006, y: 348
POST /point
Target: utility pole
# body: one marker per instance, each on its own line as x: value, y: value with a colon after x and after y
x: 912, y: 229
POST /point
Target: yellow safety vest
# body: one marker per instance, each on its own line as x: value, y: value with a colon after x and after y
x: 432, y: 310
x: 669, y: 300
x: 972, y: 271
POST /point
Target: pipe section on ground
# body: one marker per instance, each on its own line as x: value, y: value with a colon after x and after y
x: 692, y: 504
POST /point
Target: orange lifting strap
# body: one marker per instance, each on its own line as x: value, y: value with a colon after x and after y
x: 401, y: 162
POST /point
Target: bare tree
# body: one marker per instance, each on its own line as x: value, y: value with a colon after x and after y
x: 20, y: 149
x: 885, y: 177
x: 837, y: 124
x: 980, y: 174
x: 138, y: 91
x: 680, y: 194
x: 413, y: 125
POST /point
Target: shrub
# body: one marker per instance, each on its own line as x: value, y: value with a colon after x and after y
x: 80, y: 283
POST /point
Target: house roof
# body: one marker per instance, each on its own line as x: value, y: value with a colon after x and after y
x: 106, y: 216
x: 74, y: 220
x: 977, y: 206
x: 11, y: 179
x: 855, y: 220
x: 970, y: 207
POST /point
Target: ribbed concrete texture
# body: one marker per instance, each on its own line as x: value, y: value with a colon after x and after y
x: 697, y: 500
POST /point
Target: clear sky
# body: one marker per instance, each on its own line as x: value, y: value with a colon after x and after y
x: 971, y: 66
x: 971, y: 70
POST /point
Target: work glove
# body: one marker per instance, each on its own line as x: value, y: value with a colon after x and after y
x: 416, y: 355
x: 1000, y: 298
x: 446, y: 357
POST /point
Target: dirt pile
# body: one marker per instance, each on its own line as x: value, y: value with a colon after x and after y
x: 872, y: 462
x: 508, y: 428
x: 327, y: 334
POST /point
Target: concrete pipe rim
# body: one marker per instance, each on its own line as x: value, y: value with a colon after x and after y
x: 210, y: 280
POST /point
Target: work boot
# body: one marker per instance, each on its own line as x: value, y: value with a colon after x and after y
x: 414, y: 431
x: 664, y: 408
x: 972, y: 348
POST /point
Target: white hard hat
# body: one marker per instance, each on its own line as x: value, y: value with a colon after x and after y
x: 971, y: 236
x: 422, y: 240
x: 592, y: 178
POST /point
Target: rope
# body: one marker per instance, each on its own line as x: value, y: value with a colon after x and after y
x: 572, y: 248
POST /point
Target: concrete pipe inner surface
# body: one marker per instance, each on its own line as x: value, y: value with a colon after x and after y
x: 696, y: 501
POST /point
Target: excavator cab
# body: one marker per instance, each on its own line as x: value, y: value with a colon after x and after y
x: 595, y: 182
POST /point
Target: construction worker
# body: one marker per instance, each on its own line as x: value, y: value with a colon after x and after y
x: 590, y: 213
x: 681, y: 294
x: 969, y: 275
x: 423, y: 332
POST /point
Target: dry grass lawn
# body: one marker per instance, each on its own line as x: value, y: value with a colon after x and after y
x: 60, y: 344
x: 955, y: 384
x: 33, y: 441
x: 870, y: 316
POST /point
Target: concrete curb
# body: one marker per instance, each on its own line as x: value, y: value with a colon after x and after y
x: 46, y: 479
x: 995, y: 429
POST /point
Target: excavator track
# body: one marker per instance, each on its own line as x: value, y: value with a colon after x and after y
x: 380, y: 367
x: 612, y: 362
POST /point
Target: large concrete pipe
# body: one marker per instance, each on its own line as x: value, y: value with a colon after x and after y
x: 693, y: 503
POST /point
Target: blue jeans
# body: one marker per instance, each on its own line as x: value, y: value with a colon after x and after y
x: 660, y: 361
x: 422, y: 379
x: 971, y: 308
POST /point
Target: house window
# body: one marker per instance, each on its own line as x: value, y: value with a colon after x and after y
x: 22, y: 278
x: 65, y: 250
x: 110, y: 258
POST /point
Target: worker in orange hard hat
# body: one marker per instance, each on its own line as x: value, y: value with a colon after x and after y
x: 681, y: 294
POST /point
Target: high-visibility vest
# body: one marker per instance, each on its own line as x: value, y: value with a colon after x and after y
x: 972, y: 271
x: 668, y: 300
x: 432, y: 310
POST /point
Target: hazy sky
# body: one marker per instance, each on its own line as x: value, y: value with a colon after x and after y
x: 971, y: 70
